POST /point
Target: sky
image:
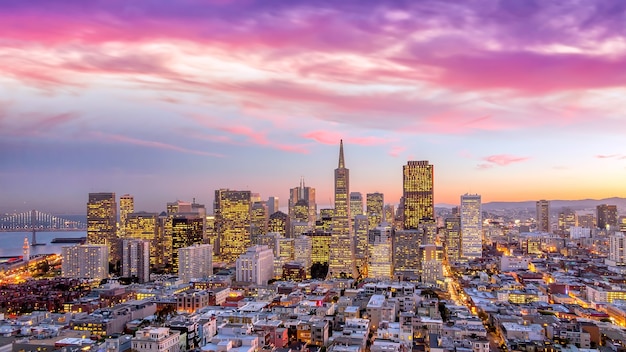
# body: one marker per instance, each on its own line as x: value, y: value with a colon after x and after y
x: 166, y: 100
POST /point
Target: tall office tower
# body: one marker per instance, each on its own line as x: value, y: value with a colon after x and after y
x: 342, y: 251
x: 272, y: 205
x: 127, y: 206
x: 586, y: 220
x: 258, y: 221
x: 320, y: 246
x: 302, y: 249
x: 567, y: 219
x: 178, y: 207
x: 300, y: 212
x: 431, y: 257
x: 389, y: 214
x: 195, y: 262
x: 186, y: 231
x: 210, y: 233
x: 256, y: 265
x: 102, y: 223
x: 452, y: 227
x: 406, y: 260
x: 283, y: 253
x: 621, y: 223
x: 284, y: 248
x: 471, y: 227
x: 375, y: 205
x: 298, y: 228
x: 418, y: 195
x: 325, y: 221
x: 356, y: 204
x: 617, y: 248
x: 429, y: 232
x: 607, y: 217
x: 279, y: 222
x: 145, y: 226
x: 232, y: 222
x: 361, y: 233
x: 543, y: 216
x: 85, y: 261
x: 308, y: 195
x: 269, y: 240
x: 381, y: 253
x: 136, y: 259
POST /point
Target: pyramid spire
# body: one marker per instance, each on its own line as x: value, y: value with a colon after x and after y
x: 342, y: 163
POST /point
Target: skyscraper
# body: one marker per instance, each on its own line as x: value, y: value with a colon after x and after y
x: 418, y: 195
x: 342, y: 251
x: 272, y: 205
x: 431, y: 258
x: 607, y: 216
x: 406, y: 259
x: 471, y: 227
x: 305, y: 193
x: 380, y: 260
x: 136, y: 259
x: 85, y: 261
x: 356, y: 204
x: 145, y: 226
x: 127, y: 206
x: 452, y: 226
x: 195, y: 262
x: 102, y: 223
x: 258, y: 219
x: 232, y: 222
x: 186, y: 231
x: 543, y: 216
x: 374, y: 204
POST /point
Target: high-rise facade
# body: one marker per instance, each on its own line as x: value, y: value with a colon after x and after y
x: 90, y: 261
x: 342, y: 263
x: 567, y: 219
x: 452, y: 227
x: 232, y: 221
x: 418, y: 193
x: 361, y: 239
x: 195, y: 262
x: 471, y: 227
x: 302, y: 250
x: 279, y: 223
x: 431, y: 257
x: 272, y: 205
x: 307, y: 194
x: 606, y: 216
x: 186, y: 231
x: 258, y: 221
x: 617, y: 248
x: 127, y: 206
x: 375, y: 204
x: 406, y: 260
x: 380, y: 261
x: 102, y: 223
x: 543, y: 216
x: 356, y: 204
x: 136, y: 259
x: 256, y: 265
x: 145, y: 226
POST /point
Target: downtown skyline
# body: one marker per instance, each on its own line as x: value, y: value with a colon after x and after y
x: 170, y: 101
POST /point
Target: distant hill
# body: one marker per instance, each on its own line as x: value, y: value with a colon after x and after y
x: 555, y: 204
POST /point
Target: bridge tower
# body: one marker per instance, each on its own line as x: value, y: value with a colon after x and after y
x: 26, y: 250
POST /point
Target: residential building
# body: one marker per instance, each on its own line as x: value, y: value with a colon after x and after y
x: 90, y: 261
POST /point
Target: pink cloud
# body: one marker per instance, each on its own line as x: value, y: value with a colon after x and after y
x: 504, y: 159
x: 252, y: 136
x: 396, y: 150
x: 332, y: 138
x: 117, y: 138
x: 611, y: 156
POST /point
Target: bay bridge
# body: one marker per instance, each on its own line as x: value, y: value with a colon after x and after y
x: 35, y: 220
